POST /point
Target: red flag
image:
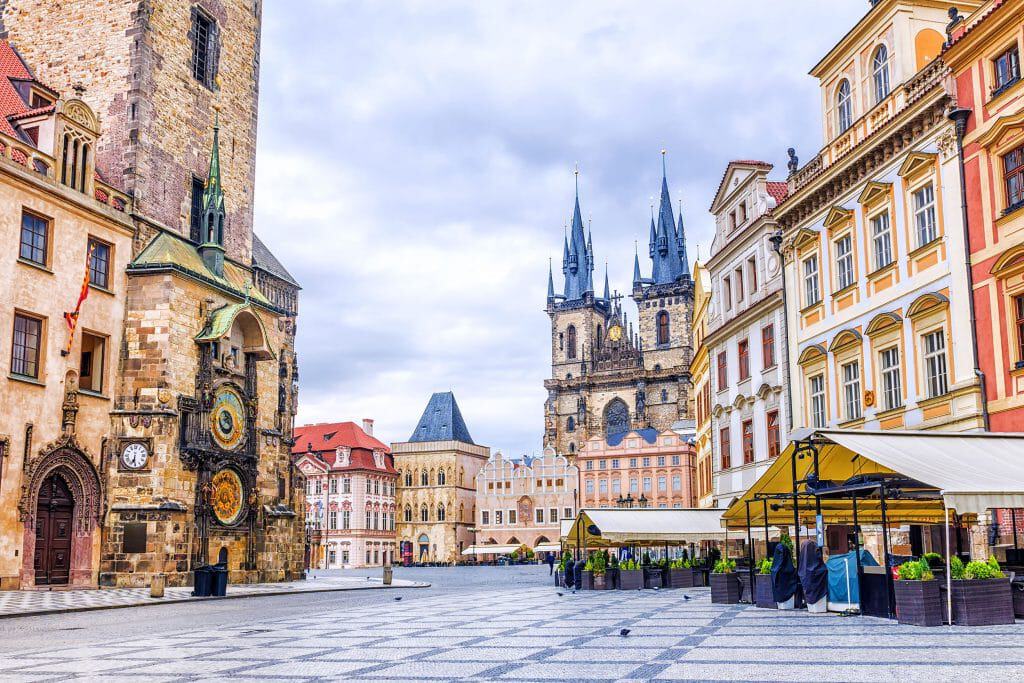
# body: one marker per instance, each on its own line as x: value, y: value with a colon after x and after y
x: 72, y: 318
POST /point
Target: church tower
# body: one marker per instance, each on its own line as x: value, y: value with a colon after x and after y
x: 665, y: 308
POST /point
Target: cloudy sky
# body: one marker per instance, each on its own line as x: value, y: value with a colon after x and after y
x: 415, y: 171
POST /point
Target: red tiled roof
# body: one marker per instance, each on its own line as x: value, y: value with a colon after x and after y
x: 48, y: 109
x: 960, y: 32
x: 11, y: 104
x: 778, y: 190
x: 324, y: 439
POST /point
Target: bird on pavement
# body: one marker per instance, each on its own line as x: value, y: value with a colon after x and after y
x: 624, y: 632
x: 560, y: 594
x: 398, y: 598
x: 686, y: 597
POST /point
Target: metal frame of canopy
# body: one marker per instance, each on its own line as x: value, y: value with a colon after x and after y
x: 582, y: 534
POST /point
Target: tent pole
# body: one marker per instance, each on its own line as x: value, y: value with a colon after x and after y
x: 856, y: 547
x: 889, y: 588
x: 765, y: 501
x: 796, y: 507
x: 750, y: 556
x: 949, y: 568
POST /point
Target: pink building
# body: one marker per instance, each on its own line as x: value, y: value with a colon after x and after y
x: 639, y: 468
x: 350, y: 495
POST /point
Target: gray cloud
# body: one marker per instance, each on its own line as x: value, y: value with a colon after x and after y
x: 415, y: 171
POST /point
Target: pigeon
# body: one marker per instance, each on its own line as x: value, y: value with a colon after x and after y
x: 686, y: 597
x: 560, y: 594
x: 624, y: 632
x: 656, y: 588
x: 398, y: 598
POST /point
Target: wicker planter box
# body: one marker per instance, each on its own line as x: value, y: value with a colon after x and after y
x: 725, y: 588
x: 631, y: 579
x: 982, y: 602
x: 919, y: 603
x: 602, y: 582
x: 763, y: 596
x: 678, y: 578
x: 586, y: 581
x: 611, y: 579
x: 1017, y: 589
x: 653, y: 577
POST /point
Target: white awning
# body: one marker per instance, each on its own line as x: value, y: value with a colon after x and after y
x: 647, y: 525
x: 974, y: 471
x: 565, y: 528
x: 547, y: 548
x: 491, y: 549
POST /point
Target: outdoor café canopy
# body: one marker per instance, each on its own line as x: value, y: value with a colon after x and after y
x: 967, y: 472
x: 547, y: 548
x: 624, y: 526
x: 494, y: 549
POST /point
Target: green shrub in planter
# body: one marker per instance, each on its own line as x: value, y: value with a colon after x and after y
x: 724, y: 566
x: 917, y: 570
x: 976, y: 569
x: 725, y: 584
x: 934, y: 560
x: 981, y: 595
x: 765, y: 567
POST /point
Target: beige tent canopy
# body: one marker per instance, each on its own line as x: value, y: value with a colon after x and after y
x: 494, y: 549
x: 968, y: 472
x: 645, y: 525
x: 547, y: 548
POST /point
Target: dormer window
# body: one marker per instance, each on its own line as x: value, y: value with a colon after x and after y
x: 76, y: 138
x: 77, y: 155
x: 880, y: 73
x: 844, y: 106
x: 38, y: 100
x: 1006, y: 69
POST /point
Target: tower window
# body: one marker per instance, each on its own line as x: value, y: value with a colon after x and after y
x: 205, y: 48
x: 196, y: 216
x: 663, y: 330
x: 880, y: 71
x: 570, y: 334
x: 844, y: 106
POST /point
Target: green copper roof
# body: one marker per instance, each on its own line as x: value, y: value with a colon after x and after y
x: 168, y: 250
x: 220, y: 322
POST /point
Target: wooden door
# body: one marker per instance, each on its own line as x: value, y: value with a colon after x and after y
x: 53, y: 532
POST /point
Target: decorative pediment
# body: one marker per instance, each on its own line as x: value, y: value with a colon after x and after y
x: 882, y: 322
x: 838, y: 217
x: 845, y: 339
x: 915, y: 163
x: 874, y: 192
x: 1011, y: 262
x: 927, y: 303
x: 803, y: 237
x: 811, y: 353
x: 79, y: 112
x: 1006, y: 131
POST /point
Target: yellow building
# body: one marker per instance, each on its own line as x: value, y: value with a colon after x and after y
x: 437, y: 470
x: 700, y: 374
x: 874, y: 238
x: 60, y: 227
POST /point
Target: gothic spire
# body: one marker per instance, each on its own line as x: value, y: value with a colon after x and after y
x: 666, y: 254
x: 579, y: 277
x: 211, y: 247
x: 551, y: 283
x: 636, y: 265
x: 607, y: 289
x: 682, y: 243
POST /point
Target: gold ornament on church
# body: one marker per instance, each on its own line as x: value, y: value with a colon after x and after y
x: 227, y: 496
x: 615, y: 332
x: 227, y: 419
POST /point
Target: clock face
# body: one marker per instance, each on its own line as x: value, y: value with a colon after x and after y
x: 227, y: 497
x: 615, y: 333
x: 134, y: 455
x: 227, y: 419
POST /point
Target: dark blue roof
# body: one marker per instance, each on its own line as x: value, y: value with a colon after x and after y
x: 649, y: 435
x: 441, y: 421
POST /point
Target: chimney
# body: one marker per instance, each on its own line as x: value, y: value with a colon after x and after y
x: 368, y: 426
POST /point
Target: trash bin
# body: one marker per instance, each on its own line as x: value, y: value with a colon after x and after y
x: 218, y: 581
x: 201, y: 581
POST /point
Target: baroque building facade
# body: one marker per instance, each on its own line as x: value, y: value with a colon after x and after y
x: 437, y: 469
x: 524, y: 501
x: 873, y: 244
x: 746, y: 332
x: 607, y: 377
x: 351, y: 485
x: 700, y: 371
x: 194, y: 464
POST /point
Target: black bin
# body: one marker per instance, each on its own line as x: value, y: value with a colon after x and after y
x: 218, y: 581
x: 201, y: 582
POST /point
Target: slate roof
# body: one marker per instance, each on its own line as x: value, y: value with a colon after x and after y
x: 324, y: 439
x: 649, y: 435
x: 441, y: 421
x: 264, y: 259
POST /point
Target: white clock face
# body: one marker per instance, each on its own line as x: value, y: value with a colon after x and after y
x: 134, y: 455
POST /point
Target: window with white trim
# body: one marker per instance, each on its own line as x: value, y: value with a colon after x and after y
x: 812, y: 293
x: 880, y: 73
x: 852, y: 408
x: 844, y: 262
x: 817, y: 385
x: 844, y: 106
x: 924, y: 215
x: 881, y: 239
x: 935, y: 370
x: 892, y: 383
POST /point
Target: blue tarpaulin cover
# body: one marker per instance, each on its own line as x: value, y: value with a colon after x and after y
x: 839, y: 566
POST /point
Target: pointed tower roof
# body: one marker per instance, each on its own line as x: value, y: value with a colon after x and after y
x: 668, y: 265
x: 213, y: 193
x: 607, y: 289
x: 441, y: 421
x: 637, y: 278
x: 579, y: 271
x: 551, y: 283
x: 682, y: 243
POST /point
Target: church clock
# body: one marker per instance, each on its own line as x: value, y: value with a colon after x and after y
x: 227, y: 419
x: 615, y: 332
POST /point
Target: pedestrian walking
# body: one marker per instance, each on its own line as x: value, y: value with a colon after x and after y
x: 551, y: 564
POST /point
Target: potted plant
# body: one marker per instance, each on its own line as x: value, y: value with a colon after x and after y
x: 980, y: 593
x: 763, y: 586
x: 631, y: 575
x: 598, y: 568
x: 725, y: 585
x: 679, y: 574
x: 918, y: 598
x: 653, y: 574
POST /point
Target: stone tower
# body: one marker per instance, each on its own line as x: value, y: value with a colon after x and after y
x: 608, y: 378
x: 153, y: 71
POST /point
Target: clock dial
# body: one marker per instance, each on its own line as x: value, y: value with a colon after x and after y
x: 227, y: 497
x: 227, y: 419
x: 134, y: 455
x: 615, y: 333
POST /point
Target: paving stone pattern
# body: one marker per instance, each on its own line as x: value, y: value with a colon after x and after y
x: 533, y: 634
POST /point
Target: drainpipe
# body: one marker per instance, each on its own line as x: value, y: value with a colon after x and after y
x: 959, y: 117
x: 776, y: 240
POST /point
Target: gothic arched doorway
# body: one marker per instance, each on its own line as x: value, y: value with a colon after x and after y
x: 55, y: 513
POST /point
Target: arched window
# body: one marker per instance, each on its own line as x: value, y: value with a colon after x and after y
x: 441, y: 478
x: 408, y: 478
x: 408, y: 514
x: 572, y: 448
x: 662, y: 328
x: 844, y: 106
x: 600, y: 337
x: 616, y: 417
x: 570, y: 351
x: 424, y: 514
x: 424, y: 478
x: 880, y: 73
x: 570, y: 424
x: 440, y: 513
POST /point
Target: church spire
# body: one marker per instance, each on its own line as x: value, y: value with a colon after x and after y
x: 579, y: 278
x: 682, y: 243
x: 666, y: 254
x: 211, y: 247
x: 551, y: 283
x: 607, y: 289
x: 637, y: 279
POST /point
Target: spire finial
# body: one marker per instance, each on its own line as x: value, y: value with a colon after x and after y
x: 576, y: 172
x: 664, y: 172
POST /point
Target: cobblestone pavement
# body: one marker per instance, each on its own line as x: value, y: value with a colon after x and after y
x: 522, y: 630
x: 24, y: 603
